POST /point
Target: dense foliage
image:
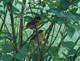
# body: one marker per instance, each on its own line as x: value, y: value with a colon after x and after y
x: 39, y: 30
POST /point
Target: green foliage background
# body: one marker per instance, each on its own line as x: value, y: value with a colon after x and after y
x: 60, y: 24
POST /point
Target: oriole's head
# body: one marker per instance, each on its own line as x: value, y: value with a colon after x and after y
x: 37, y: 18
x: 35, y: 22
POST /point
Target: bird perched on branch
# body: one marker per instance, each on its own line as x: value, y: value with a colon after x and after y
x: 35, y: 23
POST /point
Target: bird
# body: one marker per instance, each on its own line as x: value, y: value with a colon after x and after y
x: 34, y: 23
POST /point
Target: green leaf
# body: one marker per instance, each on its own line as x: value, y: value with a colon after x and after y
x: 68, y: 44
x: 6, y: 35
x: 78, y: 53
x: 34, y: 56
x: 61, y: 14
x: 53, y: 51
x: 42, y: 4
x: 21, y: 54
x: 6, y: 58
x: 27, y: 18
x: 20, y: 57
x: 7, y: 47
x: 57, y: 12
x: 2, y: 37
x: 70, y: 31
x: 64, y: 4
x: 1, y: 5
x: 72, y: 52
x: 77, y: 27
x: 2, y: 12
x: 59, y: 59
x: 5, y: 2
x: 61, y: 21
x: 73, y: 10
x: 15, y: 10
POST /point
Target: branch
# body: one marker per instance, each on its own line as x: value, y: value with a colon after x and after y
x: 3, y: 21
x: 21, y: 24
x: 9, y: 6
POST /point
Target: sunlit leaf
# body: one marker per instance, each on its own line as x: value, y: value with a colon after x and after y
x: 68, y: 44
x: 2, y: 12
x: 16, y: 10
x: 27, y: 18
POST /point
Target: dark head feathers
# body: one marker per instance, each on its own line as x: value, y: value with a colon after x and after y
x: 37, y: 18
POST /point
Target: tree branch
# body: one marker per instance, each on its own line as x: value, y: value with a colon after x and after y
x: 21, y: 24
x: 9, y: 6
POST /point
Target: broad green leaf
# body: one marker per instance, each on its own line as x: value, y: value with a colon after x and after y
x: 64, y: 54
x: 72, y: 52
x: 2, y: 12
x: 57, y: 12
x: 6, y: 35
x: 61, y: 21
x: 60, y: 59
x: 18, y: 2
x: 27, y: 18
x: 68, y: 44
x: 77, y: 27
x: 15, y: 10
x: 53, y: 51
x: 73, y: 10
x: 6, y: 58
x: 2, y: 37
x: 21, y: 54
x: 64, y: 4
x: 78, y: 53
x: 34, y: 56
x: 20, y: 57
x: 70, y: 58
x: 70, y: 31
x: 1, y: 5
x: 5, y: 2
x: 42, y: 4
x: 67, y: 15
x: 8, y: 48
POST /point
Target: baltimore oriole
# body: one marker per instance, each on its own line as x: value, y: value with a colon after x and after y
x: 34, y: 23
